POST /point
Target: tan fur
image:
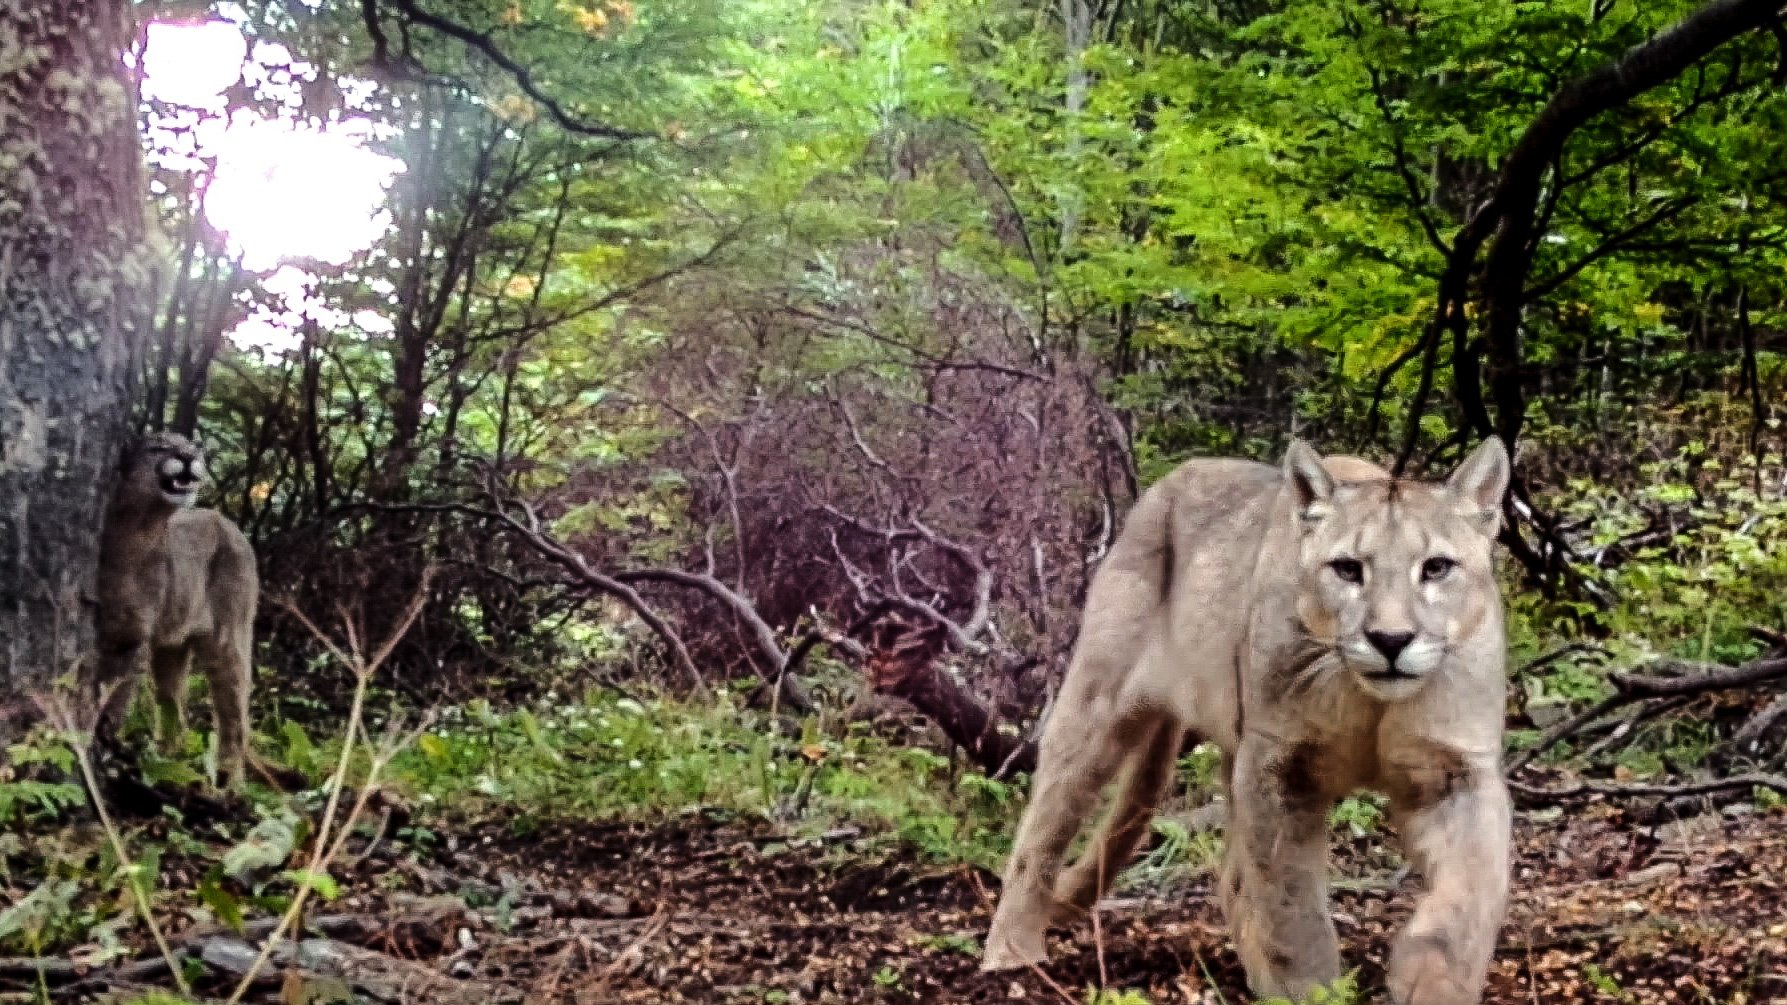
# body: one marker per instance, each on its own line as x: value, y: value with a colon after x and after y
x: 176, y: 584
x: 1294, y: 617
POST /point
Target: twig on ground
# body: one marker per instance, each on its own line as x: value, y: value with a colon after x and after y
x: 1670, y: 679
x: 1644, y: 789
x: 1626, y: 729
x: 1568, y: 649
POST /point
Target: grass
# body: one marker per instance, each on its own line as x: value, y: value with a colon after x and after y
x: 603, y: 757
x: 613, y: 757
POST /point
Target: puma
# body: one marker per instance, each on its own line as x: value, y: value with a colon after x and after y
x: 1330, y: 629
x: 176, y: 584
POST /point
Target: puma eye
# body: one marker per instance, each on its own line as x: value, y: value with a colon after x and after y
x: 1436, y: 568
x: 1348, y: 569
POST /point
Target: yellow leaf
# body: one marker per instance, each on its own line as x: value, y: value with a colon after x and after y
x: 514, y: 108
x: 433, y: 747
x: 591, y: 21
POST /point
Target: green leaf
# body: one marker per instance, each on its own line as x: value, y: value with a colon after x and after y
x: 320, y: 883
x: 433, y: 747
x: 222, y: 902
x: 266, y: 846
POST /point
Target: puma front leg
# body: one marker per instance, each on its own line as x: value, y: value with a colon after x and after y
x: 111, y: 684
x: 1096, y: 722
x: 1456, y: 831
x: 1275, y: 883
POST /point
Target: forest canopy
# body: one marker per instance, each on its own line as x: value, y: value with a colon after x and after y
x: 735, y: 299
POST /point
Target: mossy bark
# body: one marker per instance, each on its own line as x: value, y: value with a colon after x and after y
x: 73, y: 287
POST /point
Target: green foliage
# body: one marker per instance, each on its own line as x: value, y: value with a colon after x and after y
x: 266, y: 846
x: 41, y: 917
x: 1360, y: 815
x: 1343, y: 991
x: 27, y: 800
x: 1202, y: 767
x: 1116, y: 996
x: 1605, y: 983
x: 888, y: 979
x: 1717, y: 564
x: 965, y: 945
x: 82, y: 894
x: 1177, y: 851
x: 611, y: 756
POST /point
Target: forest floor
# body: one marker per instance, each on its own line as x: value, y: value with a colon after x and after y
x: 706, y: 908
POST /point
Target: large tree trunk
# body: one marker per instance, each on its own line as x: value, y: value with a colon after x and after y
x: 73, y: 275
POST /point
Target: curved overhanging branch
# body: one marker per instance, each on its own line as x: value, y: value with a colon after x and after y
x: 1509, y: 215
x: 529, y: 531
x: 762, y: 635
x: 485, y: 46
x: 1508, y: 222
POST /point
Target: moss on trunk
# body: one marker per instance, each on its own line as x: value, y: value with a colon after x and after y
x: 73, y: 284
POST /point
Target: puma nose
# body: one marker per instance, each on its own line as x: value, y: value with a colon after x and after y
x: 1391, y: 644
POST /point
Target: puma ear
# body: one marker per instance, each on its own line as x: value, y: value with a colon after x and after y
x: 1311, y: 485
x: 1481, y: 482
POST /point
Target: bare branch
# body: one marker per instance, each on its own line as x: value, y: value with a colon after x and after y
x: 728, y: 481
x: 528, y: 530
x: 1568, y: 649
x: 981, y: 612
x: 862, y: 446
x: 1675, y: 679
x: 1667, y: 210
x: 1634, y: 790
x: 1400, y: 156
x: 933, y: 359
x: 964, y: 635
x: 1562, y: 730
x: 768, y: 643
x: 905, y: 663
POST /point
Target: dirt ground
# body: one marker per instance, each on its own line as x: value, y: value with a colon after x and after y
x: 1688, y: 912
x: 710, y: 910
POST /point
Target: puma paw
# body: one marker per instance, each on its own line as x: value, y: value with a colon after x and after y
x: 1008, y: 950
x: 1422, y: 973
x: 1066, y: 913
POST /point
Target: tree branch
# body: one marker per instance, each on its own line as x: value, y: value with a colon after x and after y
x: 1515, y: 199
x: 1669, y: 209
x: 1674, y: 679
x: 485, y: 46
x: 1633, y: 790
x: 581, y: 572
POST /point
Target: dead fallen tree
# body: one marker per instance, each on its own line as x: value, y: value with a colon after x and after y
x: 409, y: 952
x: 905, y: 661
x: 424, y: 926
x: 376, y: 975
x: 1667, y: 679
x: 906, y: 653
x: 1664, y: 688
